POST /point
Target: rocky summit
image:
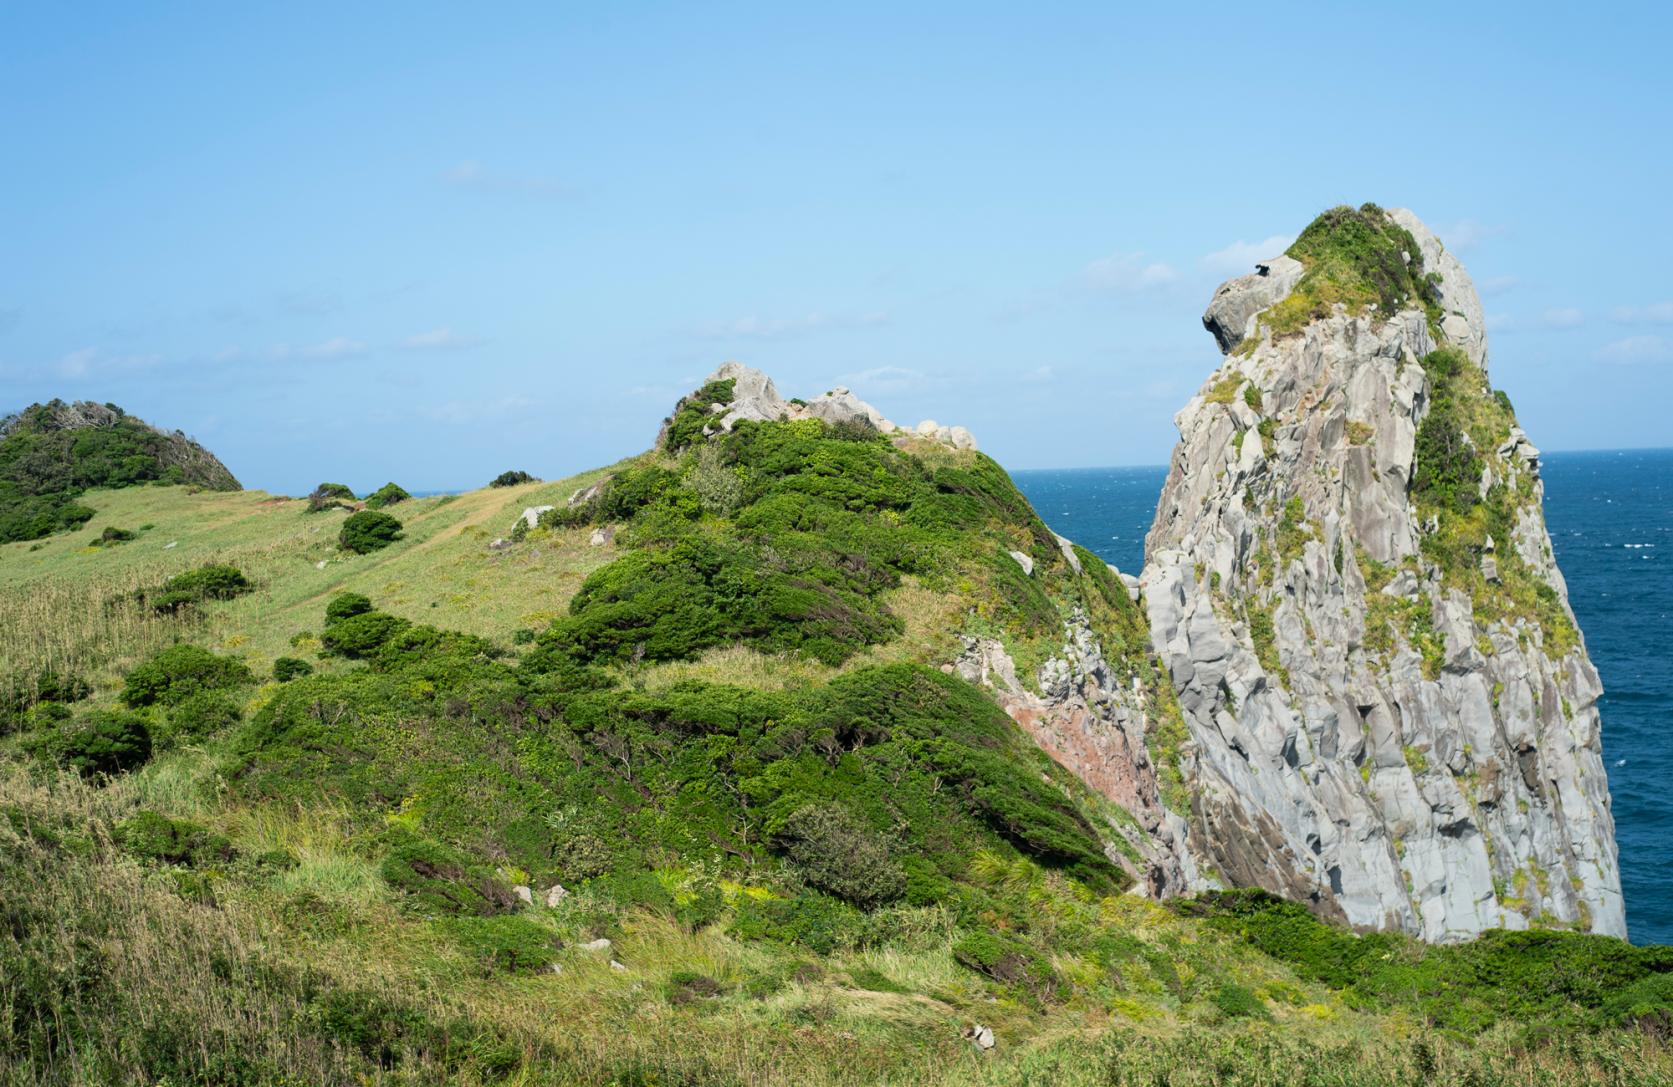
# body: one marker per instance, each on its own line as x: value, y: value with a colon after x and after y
x: 1392, y: 715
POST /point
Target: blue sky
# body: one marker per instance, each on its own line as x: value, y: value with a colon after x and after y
x: 430, y: 243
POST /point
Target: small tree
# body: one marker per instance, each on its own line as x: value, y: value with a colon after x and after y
x: 512, y: 479
x: 368, y: 531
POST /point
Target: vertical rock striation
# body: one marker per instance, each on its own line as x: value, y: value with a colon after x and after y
x: 1391, y: 712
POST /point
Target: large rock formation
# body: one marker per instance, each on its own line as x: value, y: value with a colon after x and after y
x: 1391, y: 712
x: 755, y: 398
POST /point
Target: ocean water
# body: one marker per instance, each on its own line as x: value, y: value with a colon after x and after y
x: 1610, y: 515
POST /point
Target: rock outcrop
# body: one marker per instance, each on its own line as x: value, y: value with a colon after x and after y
x: 1091, y: 717
x: 1389, y: 716
x: 756, y: 399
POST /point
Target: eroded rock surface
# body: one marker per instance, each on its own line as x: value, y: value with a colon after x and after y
x: 1403, y: 744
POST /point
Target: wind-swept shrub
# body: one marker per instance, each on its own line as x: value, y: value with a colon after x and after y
x: 387, y: 495
x: 286, y: 669
x: 216, y: 581
x: 512, y: 479
x: 368, y: 531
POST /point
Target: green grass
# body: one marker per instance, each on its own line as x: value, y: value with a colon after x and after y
x: 1353, y: 257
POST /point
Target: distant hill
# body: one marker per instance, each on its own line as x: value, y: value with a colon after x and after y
x: 50, y: 453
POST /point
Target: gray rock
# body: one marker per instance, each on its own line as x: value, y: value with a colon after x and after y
x: 524, y: 894
x: 555, y: 896
x: 979, y: 1036
x: 599, y: 945
x: 531, y: 515
x: 1024, y: 561
x: 1236, y: 301
x: 1372, y: 785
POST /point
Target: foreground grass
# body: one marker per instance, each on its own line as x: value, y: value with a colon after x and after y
x: 118, y: 971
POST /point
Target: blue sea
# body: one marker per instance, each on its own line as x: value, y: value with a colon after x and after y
x: 1610, y: 515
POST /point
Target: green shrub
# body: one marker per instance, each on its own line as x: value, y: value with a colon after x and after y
x: 441, y: 879
x: 112, y: 536
x: 102, y: 742
x: 1357, y: 257
x: 1007, y: 961
x: 156, y: 837
x: 507, y: 944
x: 202, y: 714
x: 286, y: 669
x: 330, y: 496
x: 21, y: 692
x: 1235, y: 1001
x: 834, y: 852
x: 512, y: 479
x: 368, y: 531
x: 216, y: 581
x: 179, y: 672
x: 361, y: 635
x: 387, y: 495
x: 692, y: 414
x: 346, y: 606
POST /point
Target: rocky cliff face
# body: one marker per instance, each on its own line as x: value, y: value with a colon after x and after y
x: 1391, y: 711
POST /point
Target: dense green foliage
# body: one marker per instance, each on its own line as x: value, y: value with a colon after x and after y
x: 99, y: 742
x: 286, y: 669
x: 1555, y: 977
x: 692, y: 414
x: 1466, y: 423
x: 387, y: 495
x: 367, y: 531
x: 1358, y: 257
x: 178, y: 673
x: 216, y: 581
x: 823, y: 520
x: 51, y: 453
x: 512, y: 478
x: 330, y: 496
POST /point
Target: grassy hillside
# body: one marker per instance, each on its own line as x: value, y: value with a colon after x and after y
x: 707, y: 703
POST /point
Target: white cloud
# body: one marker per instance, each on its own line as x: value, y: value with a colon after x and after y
x: 439, y: 339
x: 776, y: 328
x: 1466, y: 234
x: 883, y: 379
x: 1562, y: 317
x: 466, y: 412
x: 91, y: 362
x: 1240, y: 257
x: 338, y: 347
x: 1637, y: 349
x: 1657, y: 313
x: 1496, y: 285
x: 471, y: 174
x: 1128, y: 272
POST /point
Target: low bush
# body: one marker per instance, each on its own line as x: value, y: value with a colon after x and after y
x: 102, y: 742
x: 179, y: 672
x: 387, y: 495
x: 112, y: 536
x: 21, y: 692
x: 368, y: 531
x: 202, y: 714
x: 362, y: 634
x: 512, y: 479
x: 346, y: 606
x: 156, y: 837
x: 216, y: 581
x: 508, y: 944
x: 834, y: 852
x: 330, y: 496
x: 286, y: 669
